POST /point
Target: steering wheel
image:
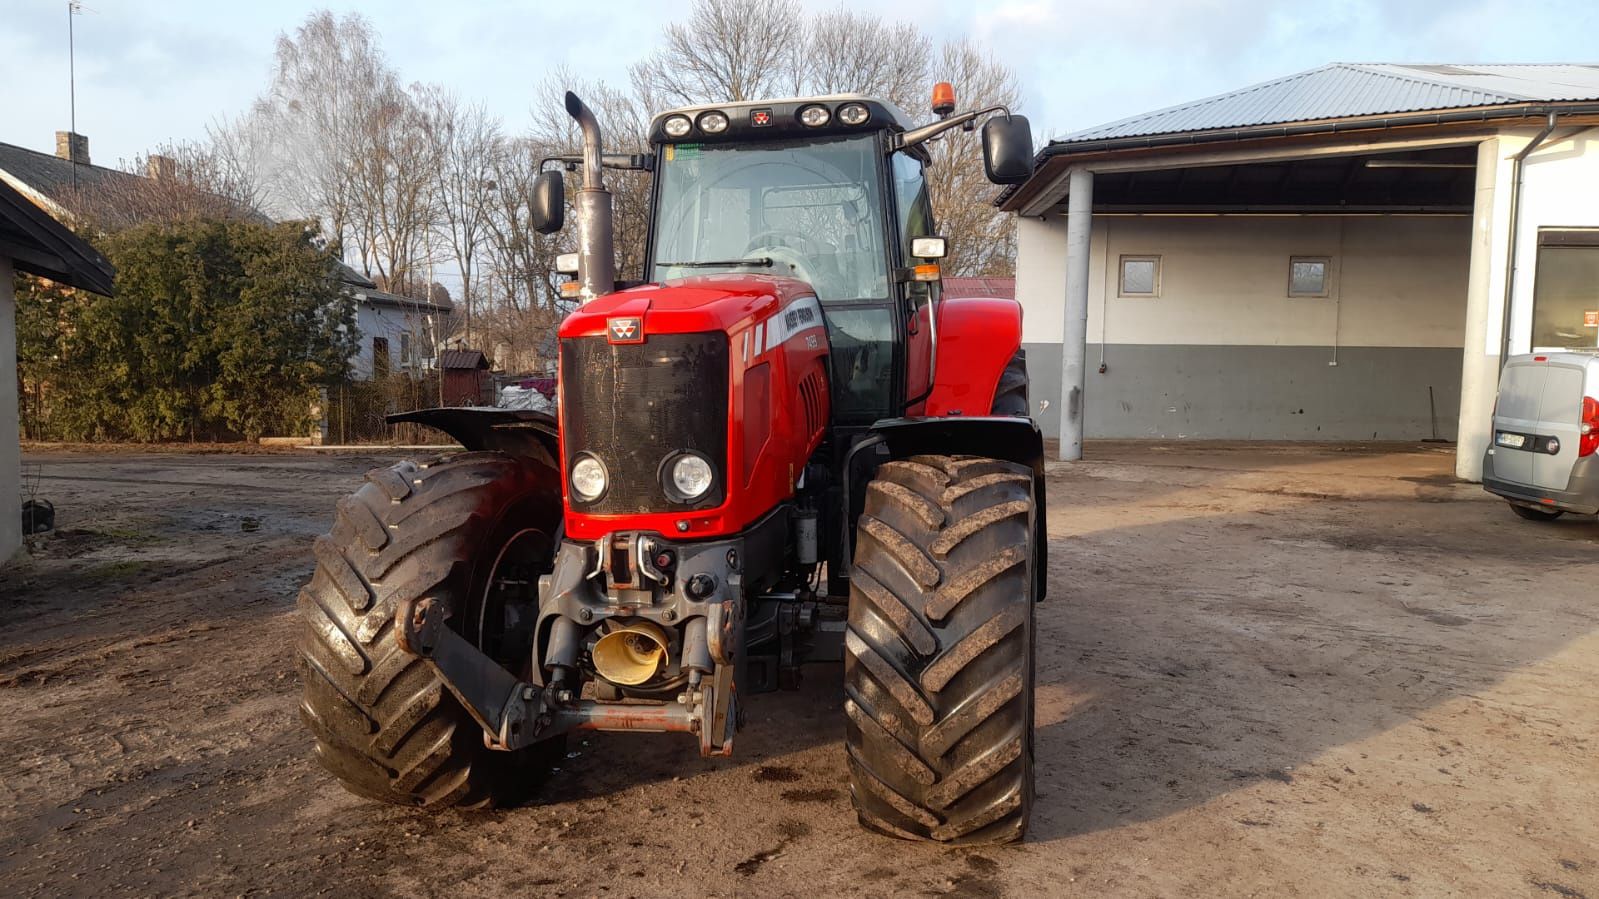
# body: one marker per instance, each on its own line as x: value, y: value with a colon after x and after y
x: 780, y: 238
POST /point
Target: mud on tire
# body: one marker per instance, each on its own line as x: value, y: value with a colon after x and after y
x: 939, y: 655
x: 384, y: 723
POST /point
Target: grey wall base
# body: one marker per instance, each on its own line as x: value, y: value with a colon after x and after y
x: 1256, y: 392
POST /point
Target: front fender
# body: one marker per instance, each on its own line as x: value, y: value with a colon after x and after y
x: 523, y: 433
x: 1012, y: 439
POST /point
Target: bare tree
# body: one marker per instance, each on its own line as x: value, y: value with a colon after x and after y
x: 734, y: 50
x: 393, y: 182
x: 728, y: 50
x: 859, y: 52
x: 982, y: 239
x: 330, y: 82
x: 466, y: 140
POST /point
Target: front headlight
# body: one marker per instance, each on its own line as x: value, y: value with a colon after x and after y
x: 691, y: 476
x: 588, y: 478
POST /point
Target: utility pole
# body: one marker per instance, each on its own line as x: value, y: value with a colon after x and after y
x: 74, y: 7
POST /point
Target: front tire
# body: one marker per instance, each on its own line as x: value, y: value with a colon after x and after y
x: 938, y: 666
x: 384, y: 723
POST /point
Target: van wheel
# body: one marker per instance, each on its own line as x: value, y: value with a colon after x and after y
x: 1532, y: 514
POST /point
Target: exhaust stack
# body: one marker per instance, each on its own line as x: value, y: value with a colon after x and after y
x: 596, y: 241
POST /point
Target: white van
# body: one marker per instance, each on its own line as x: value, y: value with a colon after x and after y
x: 1543, y: 457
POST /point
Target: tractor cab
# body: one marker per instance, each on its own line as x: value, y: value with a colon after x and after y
x: 831, y: 191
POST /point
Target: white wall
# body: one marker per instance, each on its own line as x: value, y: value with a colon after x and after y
x: 10, y: 449
x: 1397, y: 280
x: 388, y: 322
x: 1560, y: 189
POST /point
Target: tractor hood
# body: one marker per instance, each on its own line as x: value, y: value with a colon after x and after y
x: 701, y: 303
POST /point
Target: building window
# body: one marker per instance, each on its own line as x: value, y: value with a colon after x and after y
x: 405, y: 349
x: 1140, y: 276
x: 1308, y: 276
x: 380, y: 358
x: 1565, y: 294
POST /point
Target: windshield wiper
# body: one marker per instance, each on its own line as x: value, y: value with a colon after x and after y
x: 761, y: 261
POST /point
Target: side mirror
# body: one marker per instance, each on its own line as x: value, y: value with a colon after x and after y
x: 549, y: 202
x: 1008, y: 149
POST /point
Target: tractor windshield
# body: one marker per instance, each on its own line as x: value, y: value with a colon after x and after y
x: 806, y: 209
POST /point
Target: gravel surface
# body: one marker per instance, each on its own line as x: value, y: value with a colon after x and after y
x: 1267, y: 670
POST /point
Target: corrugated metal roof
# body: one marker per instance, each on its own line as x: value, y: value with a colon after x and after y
x: 1349, y: 90
x: 463, y: 359
x: 980, y: 287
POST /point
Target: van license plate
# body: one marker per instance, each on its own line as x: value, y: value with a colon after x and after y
x: 1515, y: 440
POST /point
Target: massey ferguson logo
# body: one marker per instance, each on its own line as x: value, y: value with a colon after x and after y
x: 626, y: 330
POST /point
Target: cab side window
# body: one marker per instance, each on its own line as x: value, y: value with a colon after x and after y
x: 915, y: 210
x: 910, y: 195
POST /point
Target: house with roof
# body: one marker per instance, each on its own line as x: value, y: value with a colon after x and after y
x: 30, y: 241
x: 1346, y: 253
x: 398, y: 332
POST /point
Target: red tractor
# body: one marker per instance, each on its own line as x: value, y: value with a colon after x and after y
x: 785, y: 446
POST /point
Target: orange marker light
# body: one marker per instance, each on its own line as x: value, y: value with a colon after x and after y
x: 943, y: 98
x: 927, y: 271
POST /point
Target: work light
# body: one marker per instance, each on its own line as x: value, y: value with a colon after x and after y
x: 713, y: 122
x: 676, y: 126
x: 814, y: 116
x: 854, y: 113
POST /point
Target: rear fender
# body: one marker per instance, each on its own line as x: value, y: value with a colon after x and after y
x: 523, y: 433
x: 1011, y: 439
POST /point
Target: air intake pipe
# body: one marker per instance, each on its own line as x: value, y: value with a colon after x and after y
x: 596, y: 240
x: 632, y: 653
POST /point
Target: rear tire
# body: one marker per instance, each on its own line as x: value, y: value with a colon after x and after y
x: 938, y: 666
x: 1010, y: 396
x: 1532, y: 514
x: 385, y: 725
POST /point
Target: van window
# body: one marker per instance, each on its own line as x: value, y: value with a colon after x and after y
x: 1562, y: 396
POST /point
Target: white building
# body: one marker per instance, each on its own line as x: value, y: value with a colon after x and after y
x: 1345, y: 253
x: 397, y: 333
x: 34, y: 242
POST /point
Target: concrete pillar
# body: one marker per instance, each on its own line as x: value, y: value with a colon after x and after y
x: 1074, y: 331
x: 1479, y: 362
x: 10, y: 448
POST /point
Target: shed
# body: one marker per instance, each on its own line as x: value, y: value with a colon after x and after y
x: 30, y: 241
x: 466, y: 378
x: 1344, y: 253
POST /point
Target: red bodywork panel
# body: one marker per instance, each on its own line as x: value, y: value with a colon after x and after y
x: 977, y: 336
x: 777, y: 410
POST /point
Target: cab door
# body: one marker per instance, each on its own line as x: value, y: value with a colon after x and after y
x: 913, y: 219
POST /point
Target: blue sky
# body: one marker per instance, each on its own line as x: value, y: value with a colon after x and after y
x: 156, y: 70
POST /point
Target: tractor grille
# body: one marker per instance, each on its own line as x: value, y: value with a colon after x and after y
x: 635, y: 405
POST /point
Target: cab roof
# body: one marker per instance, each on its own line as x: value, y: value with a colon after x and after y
x: 781, y: 119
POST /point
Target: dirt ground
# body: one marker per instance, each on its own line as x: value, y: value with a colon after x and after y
x: 1264, y: 670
